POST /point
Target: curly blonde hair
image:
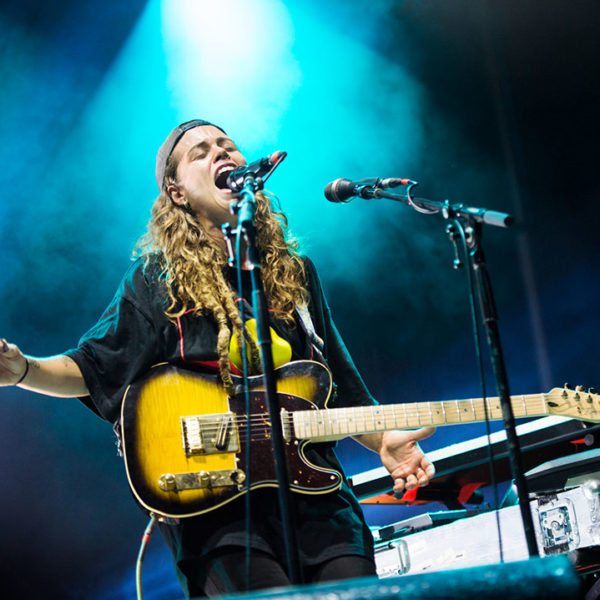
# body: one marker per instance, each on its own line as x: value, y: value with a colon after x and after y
x: 193, y: 269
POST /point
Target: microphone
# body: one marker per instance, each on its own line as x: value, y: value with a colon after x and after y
x: 341, y: 190
x: 258, y: 168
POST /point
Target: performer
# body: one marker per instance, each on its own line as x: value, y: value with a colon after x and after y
x: 178, y: 303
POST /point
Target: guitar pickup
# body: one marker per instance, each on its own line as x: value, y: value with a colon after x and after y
x: 224, y: 432
x: 169, y: 482
x: 209, y: 434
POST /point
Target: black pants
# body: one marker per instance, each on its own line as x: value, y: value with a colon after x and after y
x: 225, y: 572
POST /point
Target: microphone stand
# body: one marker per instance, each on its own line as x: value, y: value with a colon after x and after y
x: 246, y: 208
x: 474, y: 218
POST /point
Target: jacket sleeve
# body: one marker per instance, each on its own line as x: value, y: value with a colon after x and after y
x: 121, y: 346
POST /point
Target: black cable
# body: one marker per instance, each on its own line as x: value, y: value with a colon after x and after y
x: 244, y: 355
x: 479, y: 360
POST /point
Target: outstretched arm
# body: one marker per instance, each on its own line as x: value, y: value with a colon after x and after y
x: 53, y: 376
x: 402, y: 456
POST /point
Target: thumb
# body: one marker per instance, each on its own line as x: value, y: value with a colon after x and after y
x: 422, y: 434
x: 8, y: 350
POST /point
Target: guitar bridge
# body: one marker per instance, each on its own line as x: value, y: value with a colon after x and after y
x: 169, y: 482
x: 209, y: 434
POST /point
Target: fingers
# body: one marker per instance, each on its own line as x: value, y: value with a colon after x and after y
x: 401, y: 485
x: 404, y: 459
x: 423, y: 433
x: 13, y: 364
x: 8, y: 350
x: 410, y: 482
x: 429, y: 470
x: 422, y: 476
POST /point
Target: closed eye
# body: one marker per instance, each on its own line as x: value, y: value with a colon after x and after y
x: 198, y: 151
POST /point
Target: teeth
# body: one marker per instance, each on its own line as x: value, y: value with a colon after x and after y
x: 227, y: 168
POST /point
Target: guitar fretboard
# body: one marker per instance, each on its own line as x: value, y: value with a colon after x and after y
x: 340, y: 422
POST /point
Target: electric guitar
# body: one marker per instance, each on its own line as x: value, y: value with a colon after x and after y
x: 184, y: 439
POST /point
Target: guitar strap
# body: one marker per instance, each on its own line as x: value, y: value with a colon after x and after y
x: 307, y: 324
x: 316, y: 342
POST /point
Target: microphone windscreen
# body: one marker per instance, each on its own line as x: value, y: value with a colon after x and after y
x: 340, y: 190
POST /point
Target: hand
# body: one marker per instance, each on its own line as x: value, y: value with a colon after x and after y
x: 12, y: 363
x: 402, y: 456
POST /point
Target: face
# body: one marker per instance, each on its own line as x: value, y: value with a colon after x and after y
x: 206, y: 155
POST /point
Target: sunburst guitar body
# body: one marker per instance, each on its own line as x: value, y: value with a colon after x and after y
x: 185, y: 440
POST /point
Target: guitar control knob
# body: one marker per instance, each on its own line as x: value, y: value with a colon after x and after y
x: 167, y: 482
x: 238, y: 477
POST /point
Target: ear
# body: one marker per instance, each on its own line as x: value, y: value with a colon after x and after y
x: 175, y: 193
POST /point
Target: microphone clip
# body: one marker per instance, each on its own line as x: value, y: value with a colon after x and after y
x: 255, y: 174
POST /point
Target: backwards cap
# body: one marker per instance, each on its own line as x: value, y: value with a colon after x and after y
x: 169, y: 145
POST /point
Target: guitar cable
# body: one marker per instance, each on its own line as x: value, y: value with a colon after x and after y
x: 144, y: 544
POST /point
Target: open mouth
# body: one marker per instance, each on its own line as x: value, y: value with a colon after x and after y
x: 221, y: 177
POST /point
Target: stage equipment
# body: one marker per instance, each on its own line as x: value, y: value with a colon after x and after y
x: 250, y: 182
x: 343, y: 190
x: 465, y: 463
x: 563, y: 522
x: 466, y: 225
x: 551, y: 578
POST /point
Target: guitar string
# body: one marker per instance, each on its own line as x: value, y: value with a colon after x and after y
x: 333, y: 428
x: 523, y: 399
x: 258, y: 423
x: 325, y: 416
x: 319, y: 418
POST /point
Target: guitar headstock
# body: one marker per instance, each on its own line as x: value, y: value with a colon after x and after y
x: 578, y: 403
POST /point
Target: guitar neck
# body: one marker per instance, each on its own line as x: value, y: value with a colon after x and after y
x: 357, y: 420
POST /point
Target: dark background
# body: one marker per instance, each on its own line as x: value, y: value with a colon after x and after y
x: 490, y: 103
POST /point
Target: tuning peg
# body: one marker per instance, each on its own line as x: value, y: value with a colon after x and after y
x: 579, y: 388
x: 568, y: 386
x: 592, y: 390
